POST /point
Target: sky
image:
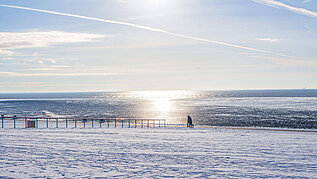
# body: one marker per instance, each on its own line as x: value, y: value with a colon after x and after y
x: 131, y: 45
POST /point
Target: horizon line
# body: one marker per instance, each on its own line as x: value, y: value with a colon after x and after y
x: 161, y: 90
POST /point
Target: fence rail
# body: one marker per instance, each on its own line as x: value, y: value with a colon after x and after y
x: 47, y: 122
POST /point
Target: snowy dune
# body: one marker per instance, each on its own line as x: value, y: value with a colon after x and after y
x: 155, y: 153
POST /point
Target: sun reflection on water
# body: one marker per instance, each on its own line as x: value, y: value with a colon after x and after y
x: 162, y: 102
x: 162, y: 105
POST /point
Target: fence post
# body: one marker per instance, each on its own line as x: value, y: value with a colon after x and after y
x: 56, y: 123
x: 115, y: 123
x: 122, y: 123
x: 84, y: 122
x: 66, y: 123
x: 92, y: 123
x: 108, y: 123
x: 100, y: 123
x: 148, y: 123
x: 46, y: 122
x: 75, y: 123
x: 165, y: 123
x: 14, y: 118
x: 142, y: 123
x: 2, y: 118
x: 129, y: 123
x: 37, y: 123
x: 135, y: 123
x: 25, y: 122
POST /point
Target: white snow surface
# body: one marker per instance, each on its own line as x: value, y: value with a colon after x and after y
x: 156, y: 153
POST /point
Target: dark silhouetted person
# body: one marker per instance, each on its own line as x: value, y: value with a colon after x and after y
x: 189, y: 121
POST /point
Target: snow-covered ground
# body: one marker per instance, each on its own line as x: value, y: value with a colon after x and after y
x: 155, y: 153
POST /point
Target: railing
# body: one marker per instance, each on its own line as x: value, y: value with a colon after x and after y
x: 47, y: 122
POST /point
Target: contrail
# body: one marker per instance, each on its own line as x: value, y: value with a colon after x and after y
x: 139, y: 27
x: 278, y: 4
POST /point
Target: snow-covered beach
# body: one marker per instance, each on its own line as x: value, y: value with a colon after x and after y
x: 156, y: 153
x: 158, y: 89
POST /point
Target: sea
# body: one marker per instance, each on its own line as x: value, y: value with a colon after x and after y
x: 238, y: 108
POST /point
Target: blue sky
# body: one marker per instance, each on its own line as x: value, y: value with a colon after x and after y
x: 181, y: 45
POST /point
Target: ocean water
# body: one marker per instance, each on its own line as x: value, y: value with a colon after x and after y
x: 247, y: 108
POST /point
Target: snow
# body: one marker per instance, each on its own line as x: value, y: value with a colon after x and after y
x: 156, y: 153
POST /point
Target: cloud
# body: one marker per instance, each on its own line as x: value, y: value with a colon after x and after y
x: 268, y: 39
x: 40, y: 60
x: 15, y: 74
x: 17, y: 40
x: 23, y: 83
x: 296, y: 10
x: 48, y: 68
x: 137, y: 26
x: 295, y: 63
x: 290, y: 62
x: 5, y: 52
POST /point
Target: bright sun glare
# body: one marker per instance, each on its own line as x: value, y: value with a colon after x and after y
x: 154, y: 5
x: 162, y: 101
x: 164, y: 105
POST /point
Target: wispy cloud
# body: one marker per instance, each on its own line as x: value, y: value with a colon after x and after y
x: 5, y: 52
x: 305, y: 1
x: 16, y: 74
x: 21, y: 83
x: 295, y: 63
x: 13, y: 40
x: 48, y: 68
x: 289, y: 62
x: 268, y: 39
x: 137, y: 26
x: 297, y: 10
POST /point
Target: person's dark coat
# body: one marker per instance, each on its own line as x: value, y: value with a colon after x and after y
x: 189, y: 121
